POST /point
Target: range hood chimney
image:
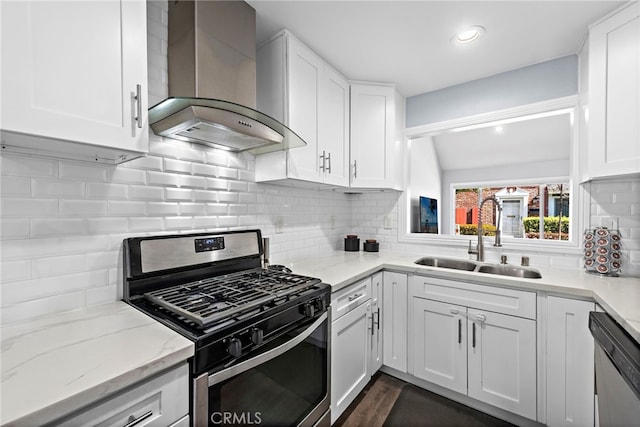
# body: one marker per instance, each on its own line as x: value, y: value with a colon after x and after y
x: 212, y: 81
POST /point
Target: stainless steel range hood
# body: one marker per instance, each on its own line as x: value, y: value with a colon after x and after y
x: 212, y: 81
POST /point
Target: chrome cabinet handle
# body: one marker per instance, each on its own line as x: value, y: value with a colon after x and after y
x: 323, y: 158
x: 355, y: 297
x: 132, y: 421
x: 378, y: 321
x: 355, y: 169
x: 459, y: 331
x: 329, y: 161
x: 453, y: 310
x: 138, y: 99
x: 481, y: 317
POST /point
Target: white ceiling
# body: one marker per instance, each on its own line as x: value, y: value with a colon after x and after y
x: 407, y: 42
x: 540, y: 139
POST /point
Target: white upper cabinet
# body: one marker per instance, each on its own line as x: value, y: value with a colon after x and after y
x: 298, y: 88
x: 75, y: 72
x: 614, y: 95
x: 377, y: 118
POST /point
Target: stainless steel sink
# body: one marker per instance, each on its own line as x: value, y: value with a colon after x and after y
x: 456, y: 264
x: 509, y: 270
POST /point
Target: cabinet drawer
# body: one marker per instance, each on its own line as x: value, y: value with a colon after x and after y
x: 499, y: 300
x: 345, y: 300
x: 160, y: 401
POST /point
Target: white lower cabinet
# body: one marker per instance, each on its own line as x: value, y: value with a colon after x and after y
x: 569, y: 362
x: 394, y: 324
x: 350, y: 344
x: 485, y: 355
x: 160, y: 401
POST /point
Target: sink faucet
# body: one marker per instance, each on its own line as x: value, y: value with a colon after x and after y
x: 479, y: 249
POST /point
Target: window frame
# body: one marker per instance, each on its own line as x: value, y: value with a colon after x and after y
x: 579, y: 202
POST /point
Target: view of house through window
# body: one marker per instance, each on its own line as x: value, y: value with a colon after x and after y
x: 534, y: 211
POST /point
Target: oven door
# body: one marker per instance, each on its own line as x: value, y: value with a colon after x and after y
x: 286, y: 385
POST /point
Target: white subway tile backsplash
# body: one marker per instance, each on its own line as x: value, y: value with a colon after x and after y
x: 13, y: 271
x: 205, y: 196
x: 83, y: 244
x: 205, y: 222
x: 55, y: 266
x: 126, y: 175
x: 107, y: 225
x: 141, y: 192
x: 146, y: 224
x: 227, y: 173
x: 102, y: 260
x: 28, y: 166
x: 135, y: 208
x: 83, y: 208
x: 217, y: 208
x: 23, y: 207
x: 83, y: 171
x: 173, y: 165
x: 29, y: 248
x: 178, y: 223
x: 31, y: 308
x: 193, y: 181
x: 178, y: 194
x: 146, y: 162
x: 217, y: 157
x: 204, y: 169
x: 237, y: 186
x: 217, y: 184
x: 43, y: 227
x: 14, y: 229
x: 97, y: 190
x: 162, y: 178
x: 57, y: 188
x: 193, y: 209
x: 227, y: 197
x: 162, y: 208
x: 15, y: 186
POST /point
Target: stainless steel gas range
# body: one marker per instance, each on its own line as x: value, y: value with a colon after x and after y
x: 261, y: 334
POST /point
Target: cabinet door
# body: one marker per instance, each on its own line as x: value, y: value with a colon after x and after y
x: 350, y: 341
x: 440, y: 344
x: 394, y: 324
x: 502, y: 361
x: 570, y: 363
x: 372, y: 131
x: 377, y: 319
x: 333, y: 132
x: 304, y: 71
x: 614, y: 95
x: 70, y: 72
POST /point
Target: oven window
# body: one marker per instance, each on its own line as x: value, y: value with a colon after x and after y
x: 280, y: 392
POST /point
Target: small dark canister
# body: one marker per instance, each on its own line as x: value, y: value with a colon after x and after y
x: 351, y: 243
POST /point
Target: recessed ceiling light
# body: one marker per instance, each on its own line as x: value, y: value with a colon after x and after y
x: 469, y: 35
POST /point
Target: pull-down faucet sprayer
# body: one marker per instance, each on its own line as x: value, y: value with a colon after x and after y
x: 479, y: 249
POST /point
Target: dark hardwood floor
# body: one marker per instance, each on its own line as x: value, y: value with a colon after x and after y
x: 389, y: 402
x: 373, y: 404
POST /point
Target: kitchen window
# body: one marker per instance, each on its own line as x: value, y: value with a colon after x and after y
x: 526, y: 157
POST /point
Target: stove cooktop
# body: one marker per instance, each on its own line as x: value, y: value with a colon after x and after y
x: 211, y: 300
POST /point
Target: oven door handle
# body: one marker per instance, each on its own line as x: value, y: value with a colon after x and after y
x: 232, y: 371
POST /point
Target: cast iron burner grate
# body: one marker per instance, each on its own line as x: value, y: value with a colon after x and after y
x: 209, y: 300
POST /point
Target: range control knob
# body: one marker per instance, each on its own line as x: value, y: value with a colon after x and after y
x: 309, y: 309
x: 234, y: 347
x: 257, y: 336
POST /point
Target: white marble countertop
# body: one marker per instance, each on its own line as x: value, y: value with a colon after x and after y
x: 59, y: 363
x: 619, y: 296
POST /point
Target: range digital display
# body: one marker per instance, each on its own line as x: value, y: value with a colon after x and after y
x: 209, y: 244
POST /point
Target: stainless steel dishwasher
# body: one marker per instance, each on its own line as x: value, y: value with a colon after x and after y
x: 617, y: 357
